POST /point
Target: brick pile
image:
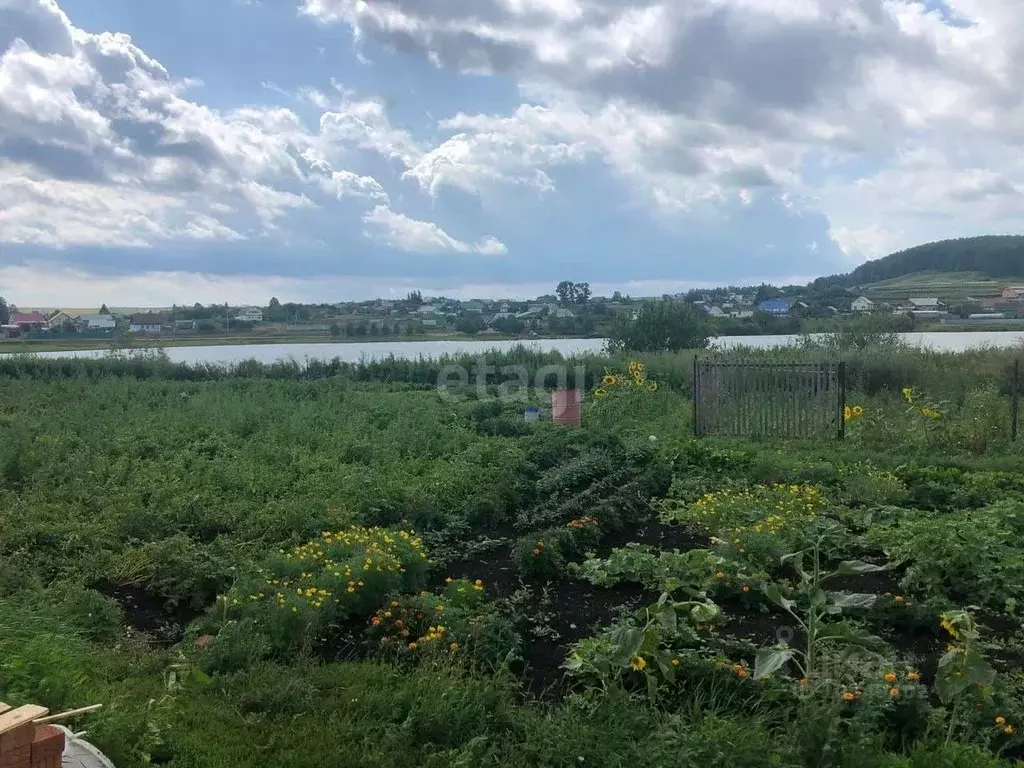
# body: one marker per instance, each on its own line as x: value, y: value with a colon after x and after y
x: 26, y: 744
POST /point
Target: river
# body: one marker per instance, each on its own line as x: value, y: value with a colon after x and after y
x: 357, y: 351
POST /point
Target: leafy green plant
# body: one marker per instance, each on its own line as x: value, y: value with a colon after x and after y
x: 694, y: 572
x: 459, y: 623
x: 968, y: 556
x: 543, y: 555
x: 299, y: 594
x: 649, y: 643
x: 814, y: 611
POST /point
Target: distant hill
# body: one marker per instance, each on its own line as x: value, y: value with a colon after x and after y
x: 988, y: 259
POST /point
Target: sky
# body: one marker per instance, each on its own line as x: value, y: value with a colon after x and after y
x: 332, y: 150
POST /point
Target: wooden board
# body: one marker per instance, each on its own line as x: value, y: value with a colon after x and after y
x: 15, y: 717
x: 4, y: 707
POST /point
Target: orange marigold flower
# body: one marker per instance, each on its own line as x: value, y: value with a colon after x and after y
x: 890, y: 677
x: 848, y: 696
x: 894, y: 692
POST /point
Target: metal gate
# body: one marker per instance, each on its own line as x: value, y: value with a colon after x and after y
x: 737, y: 399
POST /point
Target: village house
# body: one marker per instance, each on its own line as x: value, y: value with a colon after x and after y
x: 776, y: 307
x: 1014, y: 292
x: 862, y: 304
x: 59, y: 319
x: 28, y: 321
x: 97, y: 322
x: 147, y: 322
x: 249, y: 315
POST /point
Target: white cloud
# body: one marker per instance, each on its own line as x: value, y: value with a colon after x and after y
x: 702, y: 101
x: 406, y: 234
x: 100, y: 146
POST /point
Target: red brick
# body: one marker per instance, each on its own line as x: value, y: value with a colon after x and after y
x: 48, y: 742
x: 19, y: 737
x: 20, y: 757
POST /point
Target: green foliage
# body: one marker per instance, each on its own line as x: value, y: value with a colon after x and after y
x: 543, y: 555
x: 691, y: 573
x: 972, y: 556
x: 297, y: 596
x: 660, y: 326
x: 993, y: 255
x: 458, y: 624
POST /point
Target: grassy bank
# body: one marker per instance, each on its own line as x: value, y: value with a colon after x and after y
x: 332, y: 564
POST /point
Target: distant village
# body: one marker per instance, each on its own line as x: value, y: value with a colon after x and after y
x: 570, y: 311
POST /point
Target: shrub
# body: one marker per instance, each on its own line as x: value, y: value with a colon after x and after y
x: 970, y: 556
x: 299, y: 595
x: 543, y: 554
x: 459, y: 624
x: 760, y: 524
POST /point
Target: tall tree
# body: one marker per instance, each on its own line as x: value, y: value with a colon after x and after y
x: 274, y: 303
x: 564, y: 292
x: 104, y: 310
x: 414, y: 299
x: 5, y: 312
x: 660, y: 326
x: 581, y: 293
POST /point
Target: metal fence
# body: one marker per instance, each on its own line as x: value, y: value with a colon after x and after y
x: 798, y: 400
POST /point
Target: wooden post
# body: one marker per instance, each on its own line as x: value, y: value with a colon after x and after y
x: 1015, y: 402
x: 842, y: 401
x: 696, y: 395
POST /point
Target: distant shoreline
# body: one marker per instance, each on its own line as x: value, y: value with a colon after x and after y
x: 117, y: 345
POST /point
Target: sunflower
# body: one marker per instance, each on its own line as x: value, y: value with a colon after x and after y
x: 857, y: 411
x: 600, y: 392
x: 847, y: 413
x: 638, y: 663
x: 609, y: 380
x: 652, y: 386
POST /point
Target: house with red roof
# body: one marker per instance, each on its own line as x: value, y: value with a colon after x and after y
x: 28, y: 321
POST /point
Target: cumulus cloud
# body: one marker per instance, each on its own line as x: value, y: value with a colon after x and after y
x: 711, y: 100
x: 414, y: 236
x: 101, y: 146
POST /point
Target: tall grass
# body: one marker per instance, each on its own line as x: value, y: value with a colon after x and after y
x: 870, y: 370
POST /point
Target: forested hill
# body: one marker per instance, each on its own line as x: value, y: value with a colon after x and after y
x: 991, y: 255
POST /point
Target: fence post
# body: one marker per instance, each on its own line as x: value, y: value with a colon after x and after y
x: 842, y: 401
x: 1015, y: 402
x: 696, y: 429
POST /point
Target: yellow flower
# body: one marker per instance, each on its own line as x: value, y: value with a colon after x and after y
x: 848, y: 696
x: 638, y: 663
x: 608, y: 380
x: 949, y: 626
x: 932, y: 413
x: 600, y: 392
x: 719, y: 575
x: 847, y: 413
x: 1000, y: 720
x: 412, y: 646
x: 1008, y: 730
x: 857, y: 411
x: 454, y: 646
x: 652, y: 386
x: 675, y: 662
x: 908, y: 394
x: 913, y: 677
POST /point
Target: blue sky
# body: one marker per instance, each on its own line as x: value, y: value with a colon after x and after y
x: 228, y: 150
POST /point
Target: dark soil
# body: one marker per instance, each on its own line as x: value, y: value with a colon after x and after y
x: 150, y: 614
x: 572, y: 609
x: 655, y: 534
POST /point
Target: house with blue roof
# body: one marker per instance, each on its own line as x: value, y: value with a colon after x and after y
x: 777, y: 307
